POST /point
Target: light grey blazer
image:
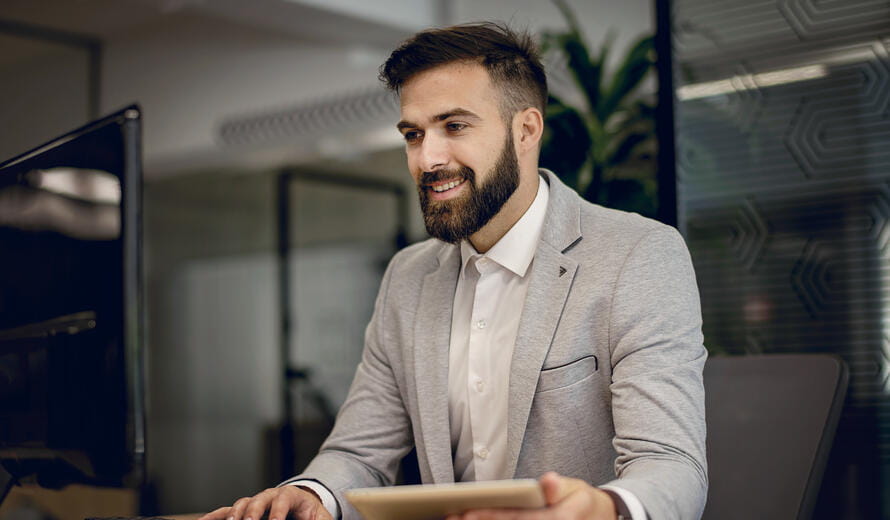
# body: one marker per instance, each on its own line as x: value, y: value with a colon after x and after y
x: 605, y: 379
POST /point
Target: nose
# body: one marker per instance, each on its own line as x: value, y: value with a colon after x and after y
x: 433, y: 152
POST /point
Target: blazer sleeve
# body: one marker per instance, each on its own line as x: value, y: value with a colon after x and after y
x: 657, y: 357
x: 373, y: 430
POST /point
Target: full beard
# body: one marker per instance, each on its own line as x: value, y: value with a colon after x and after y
x: 456, y: 219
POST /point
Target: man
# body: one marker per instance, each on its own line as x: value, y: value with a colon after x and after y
x: 537, y: 336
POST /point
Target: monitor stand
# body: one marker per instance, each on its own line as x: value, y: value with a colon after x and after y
x: 7, y: 480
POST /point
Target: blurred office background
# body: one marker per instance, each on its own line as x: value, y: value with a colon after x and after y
x: 268, y: 138
x: 783, y: 162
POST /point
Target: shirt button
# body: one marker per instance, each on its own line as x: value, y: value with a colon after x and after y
x: 480, y: 385
x: 482, y: 453
x: 480, y: 324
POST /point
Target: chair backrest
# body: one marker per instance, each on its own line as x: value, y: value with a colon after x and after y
x: 771, y: 423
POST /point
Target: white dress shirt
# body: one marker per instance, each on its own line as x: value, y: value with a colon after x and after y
x: 488, y: 303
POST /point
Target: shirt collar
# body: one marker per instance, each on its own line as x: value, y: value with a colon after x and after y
x: 516, y: 249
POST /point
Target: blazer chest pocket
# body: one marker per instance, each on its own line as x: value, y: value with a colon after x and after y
x: 566, y: 375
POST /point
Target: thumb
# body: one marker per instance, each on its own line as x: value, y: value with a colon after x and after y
x: 553, y: 487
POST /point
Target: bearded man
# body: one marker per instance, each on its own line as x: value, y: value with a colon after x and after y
x: 536, y: 335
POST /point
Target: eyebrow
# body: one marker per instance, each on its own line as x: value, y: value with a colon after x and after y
x: 463, y: 112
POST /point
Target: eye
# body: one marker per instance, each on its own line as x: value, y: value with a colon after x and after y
x: 455, y: 126
x: 412, y: 136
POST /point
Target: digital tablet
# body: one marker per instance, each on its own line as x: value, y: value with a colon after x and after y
x: 434, y: 501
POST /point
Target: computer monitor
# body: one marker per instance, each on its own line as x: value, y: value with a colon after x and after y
x: 71, y: 312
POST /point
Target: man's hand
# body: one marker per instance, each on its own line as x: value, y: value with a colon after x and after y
x: 567, y: 499
x: 281, y: 503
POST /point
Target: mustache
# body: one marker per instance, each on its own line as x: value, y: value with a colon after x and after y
x: 463, y: 172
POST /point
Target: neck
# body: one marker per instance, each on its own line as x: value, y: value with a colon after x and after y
x: 513, y: 210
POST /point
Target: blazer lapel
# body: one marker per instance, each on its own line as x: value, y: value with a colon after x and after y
x: 552, y: 273
x: 551, y: 279
x: 432, y: 334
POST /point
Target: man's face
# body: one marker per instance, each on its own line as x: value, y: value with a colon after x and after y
x: 460, y: 152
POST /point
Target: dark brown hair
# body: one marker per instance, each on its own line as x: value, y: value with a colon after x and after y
x: 511, y: 59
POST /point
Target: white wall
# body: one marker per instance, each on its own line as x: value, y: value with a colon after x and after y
x: 43, y: 96
x: 190, y: 73
x: 214, y: 379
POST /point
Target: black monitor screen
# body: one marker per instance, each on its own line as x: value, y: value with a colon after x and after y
x: 70, y: 307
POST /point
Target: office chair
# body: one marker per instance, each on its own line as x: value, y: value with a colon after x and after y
x: 771, y: 423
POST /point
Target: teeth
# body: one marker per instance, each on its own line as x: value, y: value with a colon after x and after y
x: 445, y: 187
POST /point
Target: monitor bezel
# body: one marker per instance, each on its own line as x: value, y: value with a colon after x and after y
x: 129, y: 119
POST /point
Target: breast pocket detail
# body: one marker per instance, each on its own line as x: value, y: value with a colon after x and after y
x: 568, y: 374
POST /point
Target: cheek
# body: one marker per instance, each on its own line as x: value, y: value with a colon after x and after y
x: 472, y: 155
x: 481, y: 154
x: 483, y: 163
x: 415, y: 171
x: 411, y: 160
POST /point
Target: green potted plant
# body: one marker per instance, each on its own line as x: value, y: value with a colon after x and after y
x: 606, y: 149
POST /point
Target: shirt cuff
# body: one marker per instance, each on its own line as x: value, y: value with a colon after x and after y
x: 327, y: 498
x: 632, y: 504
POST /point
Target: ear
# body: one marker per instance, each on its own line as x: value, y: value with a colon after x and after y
x: 528, y: 130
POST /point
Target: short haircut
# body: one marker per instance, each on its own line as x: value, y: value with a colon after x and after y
x: 511, y: 59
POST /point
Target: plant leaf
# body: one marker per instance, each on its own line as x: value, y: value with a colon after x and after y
x: 586, y: 73
x: 629, y: 75
x: 624, y: 148
x: 549, y: 40
x: 566, y: 142
x: 595, y: 148
x: 570, y: 17
x: 601, y: 62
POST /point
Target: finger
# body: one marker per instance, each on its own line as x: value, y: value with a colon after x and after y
x: 551, y: 486
x: 556, y: 487
x: 237, y: 509
x: 505, y: 514
x: 217, y: 514
x: 578, y: 504
x: 258, y: 505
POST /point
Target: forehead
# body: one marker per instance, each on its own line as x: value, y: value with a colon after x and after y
x: 446, y: 87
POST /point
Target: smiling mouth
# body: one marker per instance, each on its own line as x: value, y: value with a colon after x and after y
x: 445, y: 186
